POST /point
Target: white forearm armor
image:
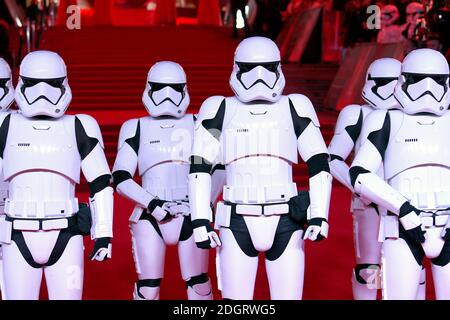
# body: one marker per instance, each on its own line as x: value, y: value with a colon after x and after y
x: 205, y: 152
x: 376, y: 135
x: 313, y: 151
x: 96, y: 170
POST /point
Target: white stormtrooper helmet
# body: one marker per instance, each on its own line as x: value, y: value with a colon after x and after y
x: 424, y: 83
x: 43, y: 88
x: 257, y: 73
x: 382, y: 77
x: 6, y: 86
x: 389, y: 15
x: 414, y: 12
x: 166, y: 92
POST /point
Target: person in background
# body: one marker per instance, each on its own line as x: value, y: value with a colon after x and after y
x: 237, y: 5
x: 390, y: 31
x: 268, y: 20
x: 415, y: 12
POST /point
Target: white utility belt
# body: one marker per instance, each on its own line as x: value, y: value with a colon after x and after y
x: 423, y: 200
x: 438, y: 219
x: 389, y: 227
x: 224, y: 211
x: 41, y: 224
x: 41, y: 209
x: 260, y: 194
x: 170, y: 194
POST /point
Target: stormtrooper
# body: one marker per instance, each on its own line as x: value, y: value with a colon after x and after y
x: 415, y: 12
x: 6, y: 99
x: 412, y: 145
x: 42, y: 151
x: 160, y: 146
x: 378, y: 92
x: 390, y: 32
x: 257, y: 134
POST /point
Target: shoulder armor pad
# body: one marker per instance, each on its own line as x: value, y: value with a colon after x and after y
x: 304, y: 107
x: 374, y: 122
x: 347, y: 117
x: 127, y: 131
x: 91, y: 127
x: 209, y: 109
x: 3, y: 115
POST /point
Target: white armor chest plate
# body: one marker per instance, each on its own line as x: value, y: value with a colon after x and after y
x: 41, y: 145
x: 258, y: 130
x: 167, y: 181
x: 164, y: 140
x: 259, y: 145
x: 417, y: 141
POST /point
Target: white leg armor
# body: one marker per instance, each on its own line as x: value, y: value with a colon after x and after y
x: 237, y: 269
x: 441, y: 277
x: 69, y: 267
x: 422, y: 291
x: 148, y: 252
x: 286, y: 273
x: 366, y: 274
x: 194, y: 270
x: 22, y: 281
x: 401, y: 272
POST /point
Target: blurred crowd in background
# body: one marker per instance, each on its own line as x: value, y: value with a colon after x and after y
x: 416, y: 24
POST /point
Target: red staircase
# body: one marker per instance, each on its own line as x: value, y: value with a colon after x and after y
x: 108, y: 68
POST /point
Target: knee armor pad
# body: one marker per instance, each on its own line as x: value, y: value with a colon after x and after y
x: 199, y: 287
x: 147, y: 289
x: 371, y: 276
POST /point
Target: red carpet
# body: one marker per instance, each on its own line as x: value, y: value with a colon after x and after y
x: 107, y: 72
x: 327, y: 275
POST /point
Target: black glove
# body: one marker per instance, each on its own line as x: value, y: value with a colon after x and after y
x: 316, y: 229
x: 156, y: 202
x: 102, y: 249
x: 204, y: 235
x: 410, y: 220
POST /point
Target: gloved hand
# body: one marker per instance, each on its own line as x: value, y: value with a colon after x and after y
x: 177, y: 208
x: 157, y: 210
x: 410, y: 220
x: 102, y: 249
x: 316, y: 229
x: 445, y: 234
x: 204, y: 235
